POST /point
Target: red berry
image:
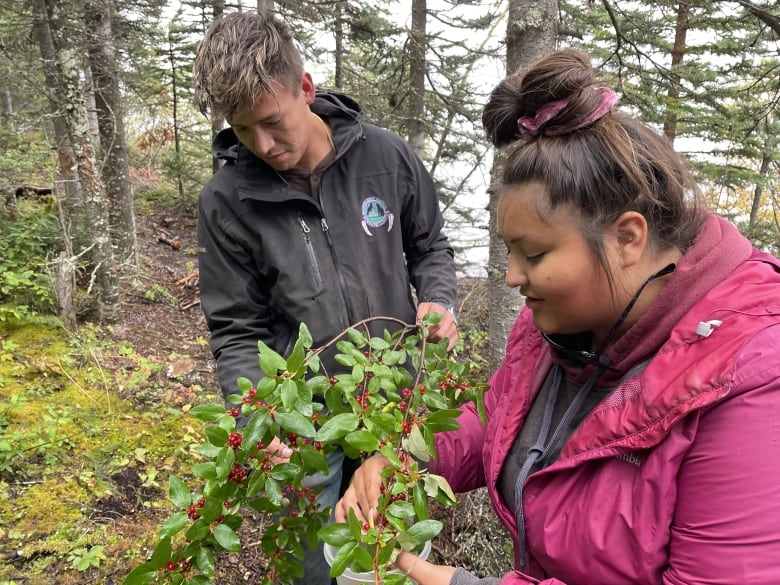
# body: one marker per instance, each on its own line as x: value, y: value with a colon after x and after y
x: 235, y: 440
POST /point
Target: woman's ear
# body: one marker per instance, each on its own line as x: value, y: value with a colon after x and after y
x: 631, y: 237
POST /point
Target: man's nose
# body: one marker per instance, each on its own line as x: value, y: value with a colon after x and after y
x: 264, y: 141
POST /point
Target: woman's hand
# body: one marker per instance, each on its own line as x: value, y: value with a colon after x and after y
x: 447, y: 327
x: 364, y: 490
x: 423, y: 572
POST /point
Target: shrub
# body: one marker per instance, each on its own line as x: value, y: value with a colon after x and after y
x: 396, y: 393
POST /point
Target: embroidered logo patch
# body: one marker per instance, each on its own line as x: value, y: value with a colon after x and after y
x: 375, y: 214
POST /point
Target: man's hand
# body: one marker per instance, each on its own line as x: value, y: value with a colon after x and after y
x: 280, y: 453
x: 364, y: 490
x: 447, y: 327
x: 423, y: 572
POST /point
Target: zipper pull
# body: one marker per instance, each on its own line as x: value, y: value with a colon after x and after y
x: 304, y: 228
x: 324, y: 225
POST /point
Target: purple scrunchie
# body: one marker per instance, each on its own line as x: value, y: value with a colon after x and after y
x: 530, y: 126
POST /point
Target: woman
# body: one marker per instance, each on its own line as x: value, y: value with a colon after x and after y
x: 633, y: 432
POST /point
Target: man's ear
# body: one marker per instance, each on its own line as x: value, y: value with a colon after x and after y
x: 631, y: 237
x: 308, y: 88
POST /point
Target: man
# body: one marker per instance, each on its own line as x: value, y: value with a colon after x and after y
x: 315, y: 218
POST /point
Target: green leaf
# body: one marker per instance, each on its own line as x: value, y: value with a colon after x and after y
x: 420, y: 499
x: 257, y: 427
x: 224, y: 463
x: 173, y: 524
x: 271, y: 363
x: 337, y: 427
x: 199, y: 530
x: 434, y: 401
x: 206, y: 470
x: 401, y: 509
x: 336, y: 534
x: 415, y: 443
x: 313, y: 459
x: 208, y: 412
x: 443, y: 420
x: 265, y: 387
x: 356, y: 337
x: 285, y: 472
x: 227, y: 538
x: 318, y: 384
x: 425, y: 530
x: 342, y: 559
x: 141, y: 575
x: 205, y: 561
x: 379, y: 344
x: 178, y: 492
x: 256, y: 484
x: 217, y: 436
x: 289, y: 394
x: 161, y: 554
x: 295, y: 361
x: 436, y: 483
x: 362, y: 441
x: 273, y: 491
x: 208, y: 450
x: 295, y: 422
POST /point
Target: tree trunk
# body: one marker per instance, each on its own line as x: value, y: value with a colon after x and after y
x: 176, y: 121
x: 265, y: 5
x: 69, y: 95
x: 770, y: 144
x: 338, y: 57
x: 67, y: 185
x: 217, y: 121
x: 531, y: 34
x: 115, y: 168
x: 417, y: 77
x: 678, y: 51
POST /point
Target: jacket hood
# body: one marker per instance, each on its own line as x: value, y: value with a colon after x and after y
x: 329, y: 104
x: 718, y: 250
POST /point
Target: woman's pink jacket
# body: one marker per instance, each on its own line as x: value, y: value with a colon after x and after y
x: 672, y: 480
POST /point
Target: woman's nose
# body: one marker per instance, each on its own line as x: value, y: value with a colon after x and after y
x: 515, y: 274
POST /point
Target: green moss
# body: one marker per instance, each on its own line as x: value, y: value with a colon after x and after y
x: 44, y: 507
x: 84, y: 423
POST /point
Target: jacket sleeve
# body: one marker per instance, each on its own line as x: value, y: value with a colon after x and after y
x: 429, y: 255
x: 726, y: 528
x: 463, y: 577
x: 460, y: 457
x: 233, y: 300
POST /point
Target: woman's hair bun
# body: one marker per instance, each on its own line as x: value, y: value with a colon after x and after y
x: 556, y: 90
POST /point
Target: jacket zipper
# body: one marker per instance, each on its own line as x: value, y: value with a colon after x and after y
x: 342, y: 284
x: 310, y: 250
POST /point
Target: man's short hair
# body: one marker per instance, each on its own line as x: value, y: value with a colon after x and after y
x: 240, y: 57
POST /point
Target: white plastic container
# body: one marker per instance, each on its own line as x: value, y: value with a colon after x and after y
x: 351, y: 578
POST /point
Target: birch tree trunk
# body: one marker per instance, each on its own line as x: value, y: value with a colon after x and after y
x: 531, y: 34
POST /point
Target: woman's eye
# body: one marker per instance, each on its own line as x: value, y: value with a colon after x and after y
x: 535, y: 258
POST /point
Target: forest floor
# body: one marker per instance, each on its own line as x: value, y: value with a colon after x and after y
x: 162, y: 323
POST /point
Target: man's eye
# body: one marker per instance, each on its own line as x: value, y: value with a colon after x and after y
x: 535, y: 258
